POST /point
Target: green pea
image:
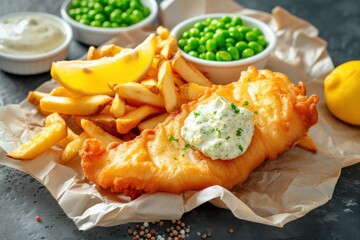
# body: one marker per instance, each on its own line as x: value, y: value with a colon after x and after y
x: 115, y: 16
x: 210, y: 28
x: 106, y: 24
x: 83, y: 3
x: 255, y: 46
x: 203, y: 40
x: 98, y: 7
x: 194, y: 32
x: 226, y: 19
x: 236, y: 34
x: 100, y: 17
x: 77, y: 11
x: 193, y: 43
x: 234, y: 53
x: 231, y: 41
x: 186, y: 34
x: 92, y: 14
x: 75, y: 4
x: 201, y: 49
x: 210, y: 56
x: 187, y: 48
x: 257, y: 31
x: 77, y: 18
x: 219, y: 38
x: 125, y: 18
x: 108, y: 10
x: 244, y: 29
x: 248, y: 52
x: 95, y: 23
x: 209, y: 35
x: 211, y: 45
x: 236, y: 21
x: 193, y: 53
x: 84, y: 10
x: 251, y: 36
x: 182, y: 42
x: 261, y: 40
x: 223, y: 56
x: 115, y: 25
x: 200, y: 26
x: 72, y: 13
x: 202, y: 55
x: 85, y: 21
x: 241, y: 45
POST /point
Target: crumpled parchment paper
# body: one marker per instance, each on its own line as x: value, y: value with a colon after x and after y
x: 277, y: 192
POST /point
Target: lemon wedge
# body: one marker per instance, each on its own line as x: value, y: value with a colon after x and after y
x: 342, y: 92
x: 93, y: 76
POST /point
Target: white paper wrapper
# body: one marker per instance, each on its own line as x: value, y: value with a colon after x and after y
x: 276, y: 193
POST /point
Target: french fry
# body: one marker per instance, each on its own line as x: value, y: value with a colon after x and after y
x: 70, y: 137
x: 163, y: 32
x: 167, y: 87
x: 170, y: 48
x: 109, y: 50
x: 151, y: 123
x: 106, y: 109
x: 307, y: 143
x: 191, y: 91
x: 188, y: 72
x: 34, y: 97
x: 93, y: 53
x: 63, y: 92
x: 118, y: 107
x: 87, y: 105
x: 72, y: 149
x: 151, y: 84
x: 138, y: 92
x: 133, y: 118
x: 106, y: 122
x: 178, y: 80
x: 96, y: 132
x: 42, y: 141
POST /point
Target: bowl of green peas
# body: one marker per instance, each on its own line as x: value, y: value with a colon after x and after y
x: 221, y: 45
x: 96, y: 21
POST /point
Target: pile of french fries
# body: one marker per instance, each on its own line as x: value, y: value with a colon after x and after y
x: 133, y: 107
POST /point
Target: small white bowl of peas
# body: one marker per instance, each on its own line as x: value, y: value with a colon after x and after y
x: 96, y: 21
x: 221, y: 45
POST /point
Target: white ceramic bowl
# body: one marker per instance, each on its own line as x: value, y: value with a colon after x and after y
x: 36, y: 63
x: 226, y: 72
x: 99, y: 35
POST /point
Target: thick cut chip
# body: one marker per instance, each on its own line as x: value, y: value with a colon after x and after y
x: 42, y: 141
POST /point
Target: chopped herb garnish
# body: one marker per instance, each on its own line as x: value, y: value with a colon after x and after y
x: 249, y: 79
x: 239, y: 131
x: 219, y: 132
x: 245, y: 103
x: 235, y: 108
x: 241, y: 148
x: 196, y: 113
x: 171, y: 139
x: 175, y: 158
x: 186, y: 146
x: 256, y: 112
x: 183, y: 154
x: 228, y: 137
x: 214, y: 112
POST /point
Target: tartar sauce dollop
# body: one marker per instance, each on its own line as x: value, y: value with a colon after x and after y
x: 29, y: 34
x: 219, y: 129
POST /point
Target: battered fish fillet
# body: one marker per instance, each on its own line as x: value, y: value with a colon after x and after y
x: 151, y: 163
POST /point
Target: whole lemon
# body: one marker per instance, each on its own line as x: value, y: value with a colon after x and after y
x: 342, y: 92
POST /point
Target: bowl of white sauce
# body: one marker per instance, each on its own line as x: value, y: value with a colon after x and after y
x: 31, y: 41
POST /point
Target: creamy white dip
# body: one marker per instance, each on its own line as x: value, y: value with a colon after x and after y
x: 27, y: 35
x: 219, y: 129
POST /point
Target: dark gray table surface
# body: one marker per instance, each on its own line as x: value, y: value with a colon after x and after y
x: 22, y: 197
